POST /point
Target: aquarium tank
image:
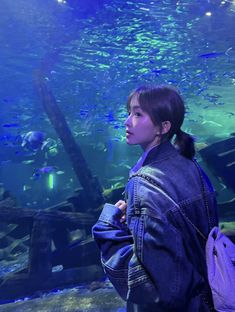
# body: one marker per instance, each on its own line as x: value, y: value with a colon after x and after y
x: 67, y: 67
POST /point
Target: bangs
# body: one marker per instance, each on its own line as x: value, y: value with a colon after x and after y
x: 138, y: 93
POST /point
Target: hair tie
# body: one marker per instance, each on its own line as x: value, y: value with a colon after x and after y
x: 179, y: 132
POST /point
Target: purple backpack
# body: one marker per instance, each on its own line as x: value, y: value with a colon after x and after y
x: 220, y: 259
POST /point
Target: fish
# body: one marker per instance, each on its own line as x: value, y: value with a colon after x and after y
x: 154, y: 51
x: 28, y: 162
x: 110, y: 117
x: 230, y: 164
x: 212, y: 123
x: 59, y: 172
x: 26, y: 187
x: 215, y: 54
x: 160, y: 71
x: 11, y: 125
x: 49, y: 143
x: 200, y: 145
x: 33, y: 140
x: 117, y: 185
x: 8, y: 99
x: 211, y: 55
x: 44, y: 170
x: 116, y: 179
x: 47, y: 169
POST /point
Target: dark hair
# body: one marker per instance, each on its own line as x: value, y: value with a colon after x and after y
x: 164, y: 103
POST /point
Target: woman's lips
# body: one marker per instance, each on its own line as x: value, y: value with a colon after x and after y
x: 128, y: 133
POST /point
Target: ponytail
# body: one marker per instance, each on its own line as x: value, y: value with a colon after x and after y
x: 185, y: 144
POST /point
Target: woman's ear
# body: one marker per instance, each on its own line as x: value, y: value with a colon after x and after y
x: 166, y: 126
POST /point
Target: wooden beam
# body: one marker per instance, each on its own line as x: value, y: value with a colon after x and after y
x: 26, y: 215
x: 90, y: 183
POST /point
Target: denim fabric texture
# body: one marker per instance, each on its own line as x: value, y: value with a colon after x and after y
x: 156, y: 260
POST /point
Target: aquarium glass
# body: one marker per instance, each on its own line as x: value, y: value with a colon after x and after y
x: 89, y: 55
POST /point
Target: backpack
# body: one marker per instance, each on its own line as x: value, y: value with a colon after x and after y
x: 220, y: 260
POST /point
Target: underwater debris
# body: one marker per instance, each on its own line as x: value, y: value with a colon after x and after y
x: 220, y: 157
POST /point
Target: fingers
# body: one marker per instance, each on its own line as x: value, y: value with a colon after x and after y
x: 121, y: 204
x: 123, y: 218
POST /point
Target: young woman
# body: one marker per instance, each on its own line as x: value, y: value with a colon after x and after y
x: 153, y: 242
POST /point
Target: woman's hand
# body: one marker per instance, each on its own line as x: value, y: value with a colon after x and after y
x: 121, y: 204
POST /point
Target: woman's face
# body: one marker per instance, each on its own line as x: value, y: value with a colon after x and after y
x: 140, y: 128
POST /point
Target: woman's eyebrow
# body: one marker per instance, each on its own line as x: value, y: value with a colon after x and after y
x: 135, y: 107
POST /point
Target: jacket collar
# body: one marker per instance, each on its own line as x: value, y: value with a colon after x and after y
x: 160, y: 152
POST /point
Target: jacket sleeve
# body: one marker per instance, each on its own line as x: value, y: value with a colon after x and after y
x: 148, y: 257
x: 116, y: 244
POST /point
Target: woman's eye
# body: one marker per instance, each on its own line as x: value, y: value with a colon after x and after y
x: 137, y: 114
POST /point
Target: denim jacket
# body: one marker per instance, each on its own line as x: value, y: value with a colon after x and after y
x: 156, y: 259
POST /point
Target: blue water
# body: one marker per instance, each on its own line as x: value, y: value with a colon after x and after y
x: 92, y: 54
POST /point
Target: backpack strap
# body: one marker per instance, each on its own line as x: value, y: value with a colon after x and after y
x: 203, y: 193
x: 203, y: 190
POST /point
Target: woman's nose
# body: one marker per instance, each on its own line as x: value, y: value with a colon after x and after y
x: 127, y: 121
